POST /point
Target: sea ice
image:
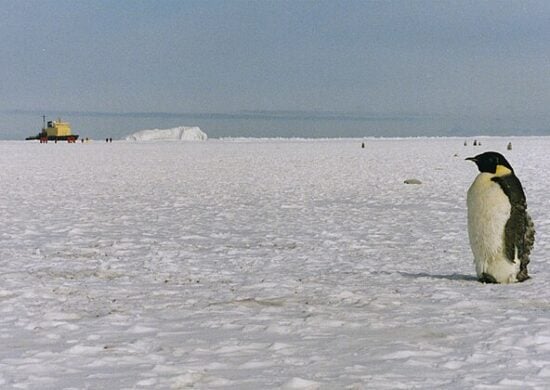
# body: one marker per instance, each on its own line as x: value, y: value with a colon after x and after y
x: 258, y: 264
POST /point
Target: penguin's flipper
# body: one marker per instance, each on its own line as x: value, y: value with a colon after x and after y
x: 528, y: 242
x: 529, y: 233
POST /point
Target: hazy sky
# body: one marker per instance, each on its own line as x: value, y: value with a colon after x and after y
x: 484, y: 61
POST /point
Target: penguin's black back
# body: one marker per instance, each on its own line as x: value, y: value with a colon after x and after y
x: 519, y: 231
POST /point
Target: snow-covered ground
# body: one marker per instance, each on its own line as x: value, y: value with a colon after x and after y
x: 262, y: 264
x: 181, y: 133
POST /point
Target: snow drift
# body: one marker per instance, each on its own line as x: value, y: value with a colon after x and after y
x: 181, y: 133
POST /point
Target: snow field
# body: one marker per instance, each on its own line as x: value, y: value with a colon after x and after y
x: 261, y: 264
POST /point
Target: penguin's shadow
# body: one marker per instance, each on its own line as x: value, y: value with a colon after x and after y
x: 453, y: 277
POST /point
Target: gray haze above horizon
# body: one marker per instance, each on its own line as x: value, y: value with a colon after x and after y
x: 277, y: 68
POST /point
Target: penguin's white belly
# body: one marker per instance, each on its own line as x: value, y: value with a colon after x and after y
x: 488, y: 211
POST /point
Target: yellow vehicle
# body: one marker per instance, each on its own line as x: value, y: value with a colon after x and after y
x: 55, y: 131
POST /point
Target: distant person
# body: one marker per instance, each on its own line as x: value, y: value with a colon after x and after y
x: 363, y: 145
x: 110, y: 140
x: 475, y: 142
x: 509, y: 147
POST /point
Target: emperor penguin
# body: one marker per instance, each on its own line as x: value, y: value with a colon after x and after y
x: 500, y: 230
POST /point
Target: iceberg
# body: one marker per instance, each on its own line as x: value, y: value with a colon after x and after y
x: 181, y: 133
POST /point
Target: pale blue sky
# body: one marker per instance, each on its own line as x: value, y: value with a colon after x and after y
x: 451, y: 66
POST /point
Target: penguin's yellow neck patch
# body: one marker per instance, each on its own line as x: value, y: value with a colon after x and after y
x: 502, y: 171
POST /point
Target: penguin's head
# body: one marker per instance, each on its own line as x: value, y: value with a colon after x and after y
x: 492, y: 162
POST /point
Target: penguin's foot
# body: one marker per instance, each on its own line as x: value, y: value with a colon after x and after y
x: 487, y: 278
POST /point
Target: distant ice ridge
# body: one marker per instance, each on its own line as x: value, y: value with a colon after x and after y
x: 181, y: 133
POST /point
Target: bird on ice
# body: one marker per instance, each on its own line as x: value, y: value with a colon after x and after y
x: 501, y: 231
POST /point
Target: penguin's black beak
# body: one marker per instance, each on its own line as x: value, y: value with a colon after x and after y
x: 471, y: 159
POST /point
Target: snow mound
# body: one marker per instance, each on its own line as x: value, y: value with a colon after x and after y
x: 181, y: 133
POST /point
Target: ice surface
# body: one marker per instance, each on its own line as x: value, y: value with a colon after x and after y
x: 262, y: 264
x: 181, y: 133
